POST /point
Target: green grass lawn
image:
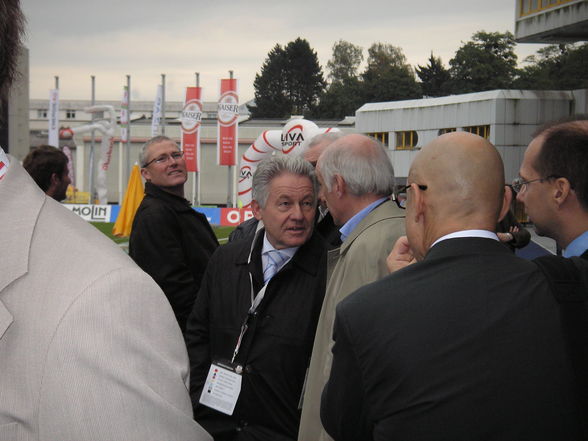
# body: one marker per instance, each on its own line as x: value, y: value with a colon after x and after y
x: 222, y: 233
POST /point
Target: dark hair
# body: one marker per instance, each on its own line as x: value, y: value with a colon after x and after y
x: 11, y: 30
x: 42, y: 162
x: 564, y: 153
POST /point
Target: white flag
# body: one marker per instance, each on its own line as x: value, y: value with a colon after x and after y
x: 124, y: 116
x: 156, y: 119
x: 54, y: 118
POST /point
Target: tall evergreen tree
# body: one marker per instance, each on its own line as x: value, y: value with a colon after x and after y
x: 434, y: 77
x: 290, y: 81
x: 388, y: 77
x: 486, y: 62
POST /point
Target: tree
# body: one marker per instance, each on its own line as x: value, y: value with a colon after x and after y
x: 556, y: 67
x: 290, y: 81
x: 270, y: 86
x: 485, y: 63
x: 434, y: 77
x: 344, y: 62
x: 388, y: 77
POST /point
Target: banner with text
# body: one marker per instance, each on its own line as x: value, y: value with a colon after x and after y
x: 156, y: 118
x: 190, y: 124
x: 227, y: 127
x: 53, y: 117
x: 124, y: 116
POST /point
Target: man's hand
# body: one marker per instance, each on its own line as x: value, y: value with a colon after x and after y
x: 400, y: 256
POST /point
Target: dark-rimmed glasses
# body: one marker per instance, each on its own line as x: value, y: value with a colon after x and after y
x: 401, y: 194
x: 519, y: 183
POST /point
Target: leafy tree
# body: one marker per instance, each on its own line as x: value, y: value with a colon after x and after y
x: 556, y: 67
x: 388, y: 77
x: 434, y: 77
x: 486, y: 62
x: 290, y: 81
x: 344, y: 62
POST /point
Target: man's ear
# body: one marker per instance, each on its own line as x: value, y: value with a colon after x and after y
x: 506, y: 201
x: 339, y: 185
x: 256, y: 208
x: 418, y: 203
x: 146, y: 175
x: 561, y: 190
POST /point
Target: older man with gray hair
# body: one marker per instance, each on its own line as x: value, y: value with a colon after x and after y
x: 251, y: 331
x: 357, y: 179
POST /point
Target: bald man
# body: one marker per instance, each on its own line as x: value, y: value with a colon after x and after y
x: 357, y: 179
x: 465, y: 344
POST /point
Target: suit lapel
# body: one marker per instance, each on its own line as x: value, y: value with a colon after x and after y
x: 5, y: 319
x: 21, y: 201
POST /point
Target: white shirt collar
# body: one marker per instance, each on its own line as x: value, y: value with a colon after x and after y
x: 467, y: 233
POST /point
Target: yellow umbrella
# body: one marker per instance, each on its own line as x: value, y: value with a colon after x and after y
x: 131, y: 201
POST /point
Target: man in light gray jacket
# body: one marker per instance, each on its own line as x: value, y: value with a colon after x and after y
x: 357, y: 179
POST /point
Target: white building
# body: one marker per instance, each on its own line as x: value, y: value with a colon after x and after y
x: 551, y: 21
x: 507, y: 118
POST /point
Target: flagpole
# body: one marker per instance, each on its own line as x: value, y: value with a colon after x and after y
x: 162, y: 121
x: 92, y: 143
x: 128, y: 143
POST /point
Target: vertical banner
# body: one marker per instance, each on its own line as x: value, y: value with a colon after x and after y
x: 156, y: 118
x: 124, y: 116
x: 53, y: 118
x: 190, y: 123
x: 228, y: 113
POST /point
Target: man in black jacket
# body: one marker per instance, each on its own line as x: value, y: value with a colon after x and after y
x: 170, y: 241
x: 254, y: 320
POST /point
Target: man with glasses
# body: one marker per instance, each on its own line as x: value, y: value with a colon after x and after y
x: 465, y: 344
x: 553, y: 184
x: 170, y: 241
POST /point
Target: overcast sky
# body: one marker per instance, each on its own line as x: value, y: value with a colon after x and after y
x: 75, y: 39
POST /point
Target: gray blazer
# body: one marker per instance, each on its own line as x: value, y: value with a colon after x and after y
x: 89, y: 347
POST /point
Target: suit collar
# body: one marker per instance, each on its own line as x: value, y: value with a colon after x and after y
x: 466, y: 245
x: 385, y: 210
x: 21, y: 201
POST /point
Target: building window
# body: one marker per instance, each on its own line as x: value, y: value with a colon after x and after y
x: 380, y: 136
x: 70, y: 114
x: 483, y: 131
x: 406, y: 140
x: 532, y: 6
x: 42, y: 113
x: 444, y: 131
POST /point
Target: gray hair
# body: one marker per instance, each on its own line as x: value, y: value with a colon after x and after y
x: 321, y: 137
x: 152, y: 141
x: 275, y: 166
x: 365, y: 168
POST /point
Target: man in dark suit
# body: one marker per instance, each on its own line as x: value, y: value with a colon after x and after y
x: 255, y: 316
x: 553, y: 184
x: 465, y: 344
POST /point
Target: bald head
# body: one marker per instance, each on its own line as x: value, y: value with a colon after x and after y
x: 464, y: 175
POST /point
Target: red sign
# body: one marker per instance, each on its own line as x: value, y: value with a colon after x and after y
x: 231, y: 217
x: 228, y: 113
x: 190, y: 122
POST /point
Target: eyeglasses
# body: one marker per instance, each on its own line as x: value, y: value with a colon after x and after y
x: 401, y: 194
x: 176, y: 156
x: 519, y: 183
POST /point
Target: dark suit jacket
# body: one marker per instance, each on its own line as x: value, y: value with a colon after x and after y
x: 465, y: 345
x: 276, y: 349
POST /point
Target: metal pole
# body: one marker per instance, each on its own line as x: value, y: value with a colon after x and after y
x: 128, y: 152
x: 230, y: 169
x: 196, y: 180
x: 56, y: 82
x: 92, y: 144
x: 162, y: 122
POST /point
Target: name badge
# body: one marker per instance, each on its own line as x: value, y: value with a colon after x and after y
x: 222, y: 387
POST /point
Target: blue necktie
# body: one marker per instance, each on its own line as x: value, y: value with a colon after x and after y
x: 275, y: 259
